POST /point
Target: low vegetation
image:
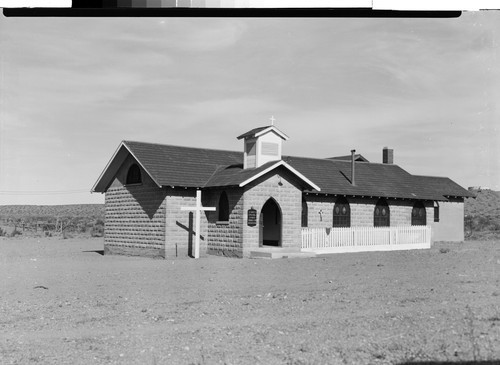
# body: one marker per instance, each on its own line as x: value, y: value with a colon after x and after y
x: 482, y: 215
x: 50, y: 220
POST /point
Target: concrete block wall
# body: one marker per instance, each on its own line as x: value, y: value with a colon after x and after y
x: 134, y: 216
x: 317, y: 204
x: 361, y: 211
x: 180, y: 224
x: 225, y: 238
x: 285, y: 189
x: 400, y: 212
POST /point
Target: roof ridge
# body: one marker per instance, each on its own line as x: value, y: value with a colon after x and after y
x: 345, y: 161
x: 433, y: 176
x: 218, y: 168
x: 239, y: 152
x: 177, y: 146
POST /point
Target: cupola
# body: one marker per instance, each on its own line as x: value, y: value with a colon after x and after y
x: 262, y: 145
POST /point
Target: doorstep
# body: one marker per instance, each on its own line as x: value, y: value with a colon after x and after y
x: 279, y: 253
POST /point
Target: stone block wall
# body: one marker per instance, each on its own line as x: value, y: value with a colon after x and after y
x: 361, y: 211
x: 180, y: 224
x: 319, y: 210
x: 400, y: 212
x: 225, y: 238
x: 134, y: 217
x: 285, y: 189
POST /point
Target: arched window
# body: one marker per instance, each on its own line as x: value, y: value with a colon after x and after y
x: 341, y: 213
x: 381, y: 214
x: 305, y: 212
x: 418, y: 215
x: 223, y: 207
x: 134, y: 175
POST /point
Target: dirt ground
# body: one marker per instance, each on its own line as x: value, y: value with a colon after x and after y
x: 62, y: 302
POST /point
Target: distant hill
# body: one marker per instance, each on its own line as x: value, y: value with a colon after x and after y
x: 486, y: 203
x: 92, y: 211
x: 482, y: 215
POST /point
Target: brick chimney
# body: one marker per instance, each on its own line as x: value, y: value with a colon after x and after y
x: 388, y: 155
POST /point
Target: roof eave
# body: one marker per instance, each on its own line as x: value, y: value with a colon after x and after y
x: 275, y: 130
x: 264, y: 131
x: 102, y: 186
x: 287, y: 166
x: 101, y: 176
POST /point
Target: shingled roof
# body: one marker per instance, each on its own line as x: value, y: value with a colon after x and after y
x: 374, y: 179
x: 237, y: 176
x: 357, y: 158
x: 262, y: 130
x: 444, y: 184
x: 201, y: 168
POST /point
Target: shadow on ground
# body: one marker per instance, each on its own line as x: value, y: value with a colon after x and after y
x: 100, y: 252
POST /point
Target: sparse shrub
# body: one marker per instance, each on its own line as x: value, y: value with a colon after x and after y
x: 2, y: 233
x: 82, y: 227
x: 16, y: 232
x: 76, y: 218
x: 66, y: 234
x: 482, y: 215
x: 495, y: 225
x: 97, y: 229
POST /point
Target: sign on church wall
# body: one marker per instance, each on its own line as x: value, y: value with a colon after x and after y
x: 252, y: 217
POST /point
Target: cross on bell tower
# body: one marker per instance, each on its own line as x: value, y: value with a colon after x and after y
x: 272, y: 119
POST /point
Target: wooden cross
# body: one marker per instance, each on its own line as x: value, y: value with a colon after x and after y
x: 272, y: 119
x: 197, y: 217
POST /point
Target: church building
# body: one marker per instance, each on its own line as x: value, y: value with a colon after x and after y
x: 160, y: 200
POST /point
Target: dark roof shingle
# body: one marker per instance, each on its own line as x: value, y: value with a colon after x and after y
x: 252, y: 132
x: 357, y: 157
x: 181, y: 166
x: 200, y: 167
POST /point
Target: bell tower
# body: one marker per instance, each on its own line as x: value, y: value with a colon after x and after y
x: 262, y: 145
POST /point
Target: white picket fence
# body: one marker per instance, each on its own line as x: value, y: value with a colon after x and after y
x: 357, y: 239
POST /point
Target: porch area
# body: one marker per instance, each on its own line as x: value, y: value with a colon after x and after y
x: 359, y: 239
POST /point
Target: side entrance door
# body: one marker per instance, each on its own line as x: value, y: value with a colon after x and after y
x: 270, y: 224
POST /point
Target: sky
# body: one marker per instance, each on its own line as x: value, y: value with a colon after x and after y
x: 71, y: 89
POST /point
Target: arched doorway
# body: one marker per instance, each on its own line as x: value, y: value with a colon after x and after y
x: 270, y: 224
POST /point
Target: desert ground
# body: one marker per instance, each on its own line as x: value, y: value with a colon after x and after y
x: 63, y: 302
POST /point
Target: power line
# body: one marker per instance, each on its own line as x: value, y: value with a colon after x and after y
x: 45, y: 192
